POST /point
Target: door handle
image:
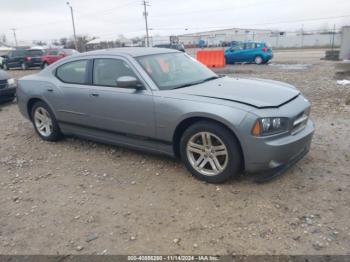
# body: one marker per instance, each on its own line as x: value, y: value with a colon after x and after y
x: 94, y: 95
x: 50, y: 90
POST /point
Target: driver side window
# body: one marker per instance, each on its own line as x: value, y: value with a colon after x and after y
x: 107, y: 71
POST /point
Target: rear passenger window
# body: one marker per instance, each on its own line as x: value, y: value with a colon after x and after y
x: 107, y: 71
x: 249, y: 46
x: 73, y: 72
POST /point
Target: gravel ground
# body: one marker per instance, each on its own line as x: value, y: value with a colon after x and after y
x: 81, y: 197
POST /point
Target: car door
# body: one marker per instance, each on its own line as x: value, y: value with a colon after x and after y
x: 14, y: 58
x: 235, y: 53
x: 56, y: 55
x: 247, y: 54
x: 117, y: 109
x: 250, y: 52
x: 70, y: 94
x: 51, y: 56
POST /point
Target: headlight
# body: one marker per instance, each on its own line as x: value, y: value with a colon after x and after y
x: 269, y: 126
x: 11, y: 82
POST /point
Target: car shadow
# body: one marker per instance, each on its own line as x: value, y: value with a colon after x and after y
x: 7, y: 103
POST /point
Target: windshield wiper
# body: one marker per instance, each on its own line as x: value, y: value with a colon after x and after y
x: 199, y: 82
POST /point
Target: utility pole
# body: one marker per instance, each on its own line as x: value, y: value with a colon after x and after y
x: 146, y: 23
x: 75, y: 36
x: 302, y: 35
x: 333, y: 36
x: 14, y: 35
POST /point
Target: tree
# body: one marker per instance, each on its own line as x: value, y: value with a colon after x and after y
x: 39, y: 43
x: 63, y: 41
x: 136, y: 40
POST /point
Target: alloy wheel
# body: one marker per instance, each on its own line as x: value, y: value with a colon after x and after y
x: 207, y: 153
x: 43, y: 121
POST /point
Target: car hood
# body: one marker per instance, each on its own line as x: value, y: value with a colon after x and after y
x: 259, y: 93
x: 4, y: 75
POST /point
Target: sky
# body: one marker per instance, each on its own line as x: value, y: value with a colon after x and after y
x: 50, y: 19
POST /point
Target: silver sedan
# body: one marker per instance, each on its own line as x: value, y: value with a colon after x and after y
x: 164, y: 101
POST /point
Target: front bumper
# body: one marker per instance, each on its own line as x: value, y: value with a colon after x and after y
x: 268, y: 57
x: 7, y: 93
x: 276, y: 153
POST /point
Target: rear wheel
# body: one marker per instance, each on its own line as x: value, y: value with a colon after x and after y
x: 44, y: 122
x: 5, y: 67
x: 258, y: 60
x: 44, y: 65
x: 210, y: 152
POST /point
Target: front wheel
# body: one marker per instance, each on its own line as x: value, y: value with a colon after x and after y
x: 44, y: 122
x: 210, y: 152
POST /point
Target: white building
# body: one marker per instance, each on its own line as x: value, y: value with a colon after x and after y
x: 272, y: 37
x: 217, y: 37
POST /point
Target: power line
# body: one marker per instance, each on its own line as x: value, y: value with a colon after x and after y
x: 268, y: 23
x: 78, y: 16
x: 219, y: 10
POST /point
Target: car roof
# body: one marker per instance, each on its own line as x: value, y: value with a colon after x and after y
x: 132, y: 51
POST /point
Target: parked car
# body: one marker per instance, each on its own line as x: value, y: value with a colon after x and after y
x: 175, y: 46
x: 52, y: 55
x: 23, y: 58
x: 7, y: 87
x: 248, y: 52
x: 165, y: 101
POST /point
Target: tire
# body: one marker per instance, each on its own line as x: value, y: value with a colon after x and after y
x: 258, y: 60
x: 51, y: 132
x: 222, y: 141
x: 44, y: 65
x: 24, y: 66
x: 5, y: 67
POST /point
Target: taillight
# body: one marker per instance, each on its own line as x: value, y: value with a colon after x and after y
x: 264, y: 49
x: 28, y: 58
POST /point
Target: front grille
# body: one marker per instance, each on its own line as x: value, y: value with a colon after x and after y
x: 3, y: 84
x: 300, y: 121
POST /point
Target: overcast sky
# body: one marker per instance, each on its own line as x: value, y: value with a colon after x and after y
x: 50, y: 19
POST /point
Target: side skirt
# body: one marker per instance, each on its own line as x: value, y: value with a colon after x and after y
x: 118, y: 139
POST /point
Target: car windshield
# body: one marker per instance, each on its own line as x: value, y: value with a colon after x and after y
x: 175, y: 70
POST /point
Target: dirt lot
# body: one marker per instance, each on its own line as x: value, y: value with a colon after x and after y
x: 76, y: 196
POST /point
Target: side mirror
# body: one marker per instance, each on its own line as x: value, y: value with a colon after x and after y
x: 129, y: 82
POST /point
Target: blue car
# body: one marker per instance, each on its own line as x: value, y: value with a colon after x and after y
x: 248, y: 52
